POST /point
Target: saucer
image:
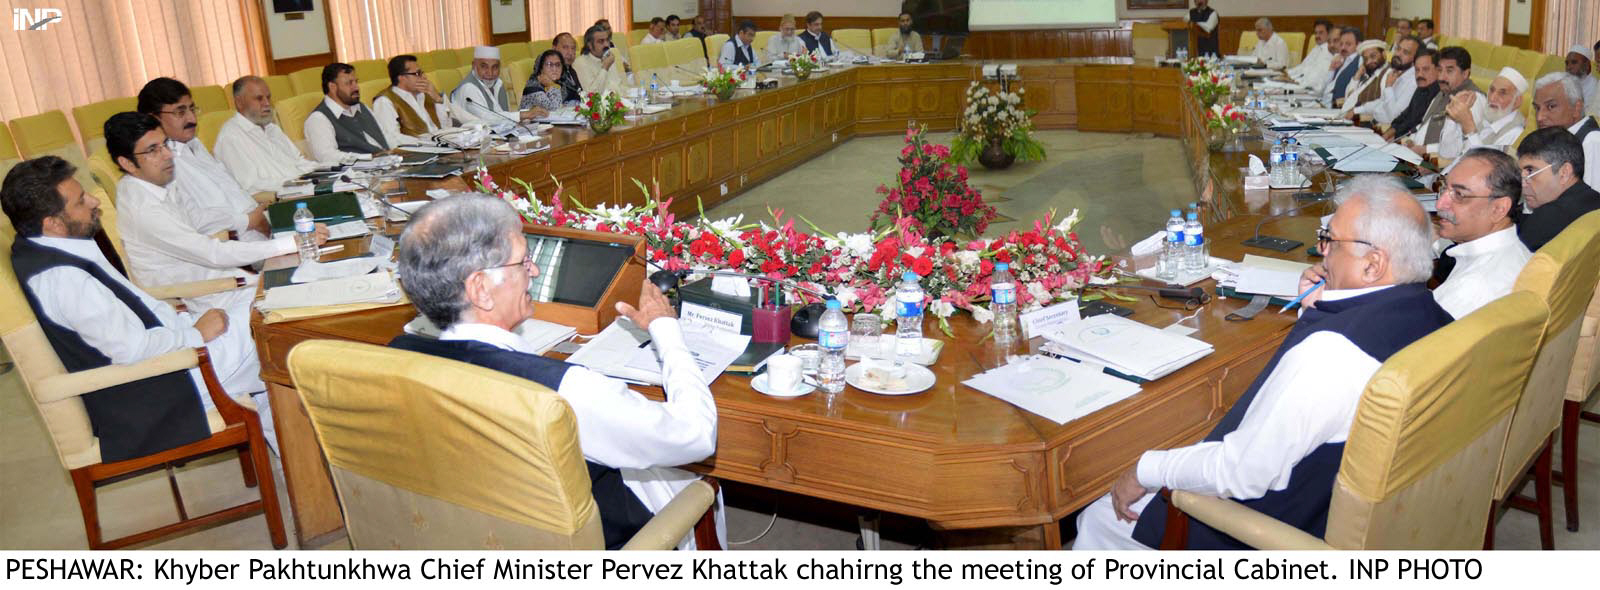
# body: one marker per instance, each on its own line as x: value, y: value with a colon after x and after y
x: 760, y: 383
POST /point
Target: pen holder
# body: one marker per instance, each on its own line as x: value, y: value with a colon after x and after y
x: 770, y: 324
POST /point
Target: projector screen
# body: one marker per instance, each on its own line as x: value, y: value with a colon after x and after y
x: 989, y: 15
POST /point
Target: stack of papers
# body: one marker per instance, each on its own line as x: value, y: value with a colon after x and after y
x: 369, y: 288
x: 624, y: 351
x: 540, y: 335
x: 1126, y: 346
x: 337, y: 231
x: 1059, y: 390
x: 1241, y: 59
x: 1260, y: 275
x: 311, y: 272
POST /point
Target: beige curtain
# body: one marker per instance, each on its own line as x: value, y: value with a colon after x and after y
x: 103, y: 49
x: 548, y: 18
x: 381, y: 29
x: 1570, y: 22
x: 1484, y: 20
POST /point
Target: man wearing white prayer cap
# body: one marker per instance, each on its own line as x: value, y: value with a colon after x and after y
x: 1502, y: 122
x: 1580, y: 63
x: 482, y: 96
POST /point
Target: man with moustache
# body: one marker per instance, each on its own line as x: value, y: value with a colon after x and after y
x: 1553, y: 166
x: 341, y: 129
x: 568, y: 47
x: 1343, y: 69
x: 1402, y: 29
x: 1502, y: 123
x: 208, y: 196
x: 1368, y: 83
x: 1558, y: 102
x: 252, y: 146
x: 1425, y: 33
x: 1205, y: 23
x: 1397, y: 83
x: 1312, y: 72
x: 1425, y: 66
x: 1480, y: 194
x: 1455, y: 90
x: 1580, y: 63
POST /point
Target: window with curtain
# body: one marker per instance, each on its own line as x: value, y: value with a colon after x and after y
x: 1484, y: 20
x: 103, y: 49
x: 548, y: 18
x: 381, y: 29
x: 1570, y: 22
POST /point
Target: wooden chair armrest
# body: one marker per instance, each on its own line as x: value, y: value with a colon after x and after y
x: 195, y: 289
x: 63, y: 386
x: 674, y: 521
x: 265, y: 197
x: 1253, y: 528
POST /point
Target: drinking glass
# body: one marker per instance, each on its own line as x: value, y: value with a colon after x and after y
x: 865, y: 329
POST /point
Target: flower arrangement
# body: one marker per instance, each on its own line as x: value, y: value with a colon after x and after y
x: 1208, y: 86
x: 860, y: 269
x: 723, y: 82
x: 803, y: 64
x: 1224, y: 122
x: 932, y: 192
x: 993, y: 119
x: 1196, y: 66
x: 602, y: 112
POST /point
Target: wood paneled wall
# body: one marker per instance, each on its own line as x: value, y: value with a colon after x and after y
x: 1118, y: 41
x: 770, y: 23
x: 1230, y: 27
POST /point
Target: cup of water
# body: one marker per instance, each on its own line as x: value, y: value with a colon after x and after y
x: 865, y: 330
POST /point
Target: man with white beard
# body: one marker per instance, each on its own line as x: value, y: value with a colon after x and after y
x: 1503, y: 122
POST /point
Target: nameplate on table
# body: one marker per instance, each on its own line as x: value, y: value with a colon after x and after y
x: 1045, y: 319
x: 694, y: 315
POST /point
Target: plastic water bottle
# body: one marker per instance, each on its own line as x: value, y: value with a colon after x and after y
x: 655, y: 87
x: 1275, y: 170
x: 1172, y: 249
x: 305, y: 227
x: 833, y: 336
x: 1003, y: 298
x: 908, y: 315
x: 1291, y: 164
x: 1194, y: 243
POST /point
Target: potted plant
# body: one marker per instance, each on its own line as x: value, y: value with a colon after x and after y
x: 602, y: 112
x: 995, y: 130
x: 723, y: 82
x: 803, y: 64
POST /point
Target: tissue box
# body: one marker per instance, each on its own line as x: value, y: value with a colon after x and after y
x: 1255, y: 183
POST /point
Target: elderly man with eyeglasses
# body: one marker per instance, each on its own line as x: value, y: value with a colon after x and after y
x: 1552, y: 164
x: 1481, y: 193
x: 1278, y: 449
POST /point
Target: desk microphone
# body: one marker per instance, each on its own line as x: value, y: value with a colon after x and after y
x: 514, y: 123
x: 805, y: 321
x: 1276, y: 243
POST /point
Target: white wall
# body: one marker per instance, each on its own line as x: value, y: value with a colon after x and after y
x: 294, y: 38
x: 1519, y: 17
x: 511, y: 17
x: 1411, y: 8
x: 889, y: 8
x: 644, y: 10
x: 1258, y: 8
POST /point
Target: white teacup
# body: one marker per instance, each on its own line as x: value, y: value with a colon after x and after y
x: 783, y: 373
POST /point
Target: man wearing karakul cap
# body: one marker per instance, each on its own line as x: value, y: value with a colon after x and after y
x: 482, y: 96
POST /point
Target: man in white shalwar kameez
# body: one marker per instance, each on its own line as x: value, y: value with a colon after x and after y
x: 482, y: 96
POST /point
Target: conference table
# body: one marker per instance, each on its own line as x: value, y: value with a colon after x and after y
x: 979, y: 470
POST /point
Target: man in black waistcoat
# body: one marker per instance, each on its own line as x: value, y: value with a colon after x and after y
x: 465, y: 265
x: 1278, y: 449
x: 1553, y: 188
x: 1205, y: 23
x: 94, y: 317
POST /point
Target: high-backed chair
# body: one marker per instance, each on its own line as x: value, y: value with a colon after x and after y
x: 516, y: 74
x: 513, y: 51
x: 210, y: 124
x: 445, y: 79
x: 48, y: 134
x: 370, y: 69
x: 499, y: 467
x: 1149, y: 40
x: 1552, y: 63
x: 856, y: 40
x: 425, y: 61
x: 1247, y: 42
x: 292, y: 113
x: 211, y: 99
x: 371, y: 88
x: 308, y: 80
x: 445, y: 59
x: 55, y: 394
x: 1581, y: 388
x: 688, y: 54
x: 1527, y: 62
x: 1296, y: 43
x: 760, y: 43
x: 91, y: 119
x: 1562, y: 274
x: 634, y: 37
x: 1418, y: 469
x: 464, y: 56
x: 1501, y: 56
x: 105, y: 174
x: 538, y: 46
x: 8, y: 152
x: 279, y: 85
x: 651, y: 59
x: 881, y: 38
x: 714, y: 46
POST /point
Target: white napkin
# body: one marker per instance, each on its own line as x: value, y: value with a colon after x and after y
x: 1149, y: 245
x: 1256, y: 167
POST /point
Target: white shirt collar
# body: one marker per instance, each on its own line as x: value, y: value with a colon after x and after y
x: 1337, y: 294
x: 1573, y: 129
x: 339, y: 110
x: 1495, y: 241
x: 487, y: 334
x: 84, y: 248
x: 162, y: 192
x: 239, y: 119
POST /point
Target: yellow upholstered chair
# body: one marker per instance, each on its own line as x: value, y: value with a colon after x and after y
x: 651, y: 59
x: 516, y: 76
x: 292, y: 113
x: 425, y: 61
x: 371, y: 88
x: 371, y: 69
x: 105, y: 173
x: 47, y: 134
x: 881, y: 39
x: 1501, y: 56
x: 856, y: 40
x: 445, y: 59
x: 760, y: 43
x: 513, y: 51
x: 500, y: 467
x: 210, y: 124
x: 686, y: 53
x: 55, y: 395
x: 210, y: 99
x: 444, y: 79
x: 1247, y: 42
x: 8, y: 152
x: 634, y: 37
x: 1581, y: 388
x: 1562, y: 274
x: 1527, y: 62
x: 1296, y: 43
x: 464, y: 56
x: 714, y: 47
x: 280, y: 86
x: 1149, y: 40
x: 308, y: 80
x: 1418, y: 469
x: 537, y: 47
x: 1552, y: 63
x: 91, y: 119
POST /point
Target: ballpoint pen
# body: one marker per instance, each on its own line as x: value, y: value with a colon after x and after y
x: 1298, y: 298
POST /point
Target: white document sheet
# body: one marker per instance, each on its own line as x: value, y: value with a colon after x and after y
x: 309, y: 272
x: 1269, y: 276
x: 1059, y: 390
x: 623, y: 350
x: 369, y: 288
x: 1127, y: 346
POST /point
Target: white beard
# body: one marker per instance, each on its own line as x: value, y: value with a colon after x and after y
x: 1496, y: 114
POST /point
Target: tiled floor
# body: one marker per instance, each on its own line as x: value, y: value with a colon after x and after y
x: 1123, y: 185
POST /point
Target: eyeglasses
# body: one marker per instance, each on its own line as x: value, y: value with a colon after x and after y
x: 155, y: 149
x: 1325, y: 237
x: 183, y: 111
x: 416, y: 73
x: 526, y: 262
x: 1456, y: 195
x: 1528, y: 176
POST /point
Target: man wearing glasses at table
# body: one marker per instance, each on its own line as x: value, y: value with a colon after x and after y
x: 1475, y: 208
x: 1552, y: 171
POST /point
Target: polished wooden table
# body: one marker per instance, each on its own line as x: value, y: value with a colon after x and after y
x: 959, y: 458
